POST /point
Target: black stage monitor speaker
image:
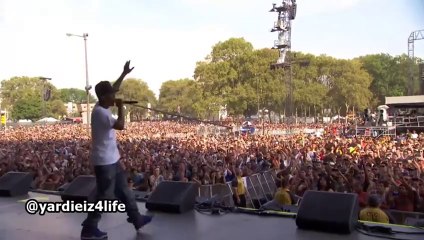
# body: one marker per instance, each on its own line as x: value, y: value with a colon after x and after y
x: 83, y: 188
x: 173, y: 197
x: 328, y: 212
x: 15, y: 184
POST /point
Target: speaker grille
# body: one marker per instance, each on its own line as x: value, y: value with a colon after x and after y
x: 81, y: 189
x: 15, y: 184
x: 174, y: 197
x: 9, y: 180
x: 329, y: 212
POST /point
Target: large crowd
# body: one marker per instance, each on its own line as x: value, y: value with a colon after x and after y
x: 388, y: 167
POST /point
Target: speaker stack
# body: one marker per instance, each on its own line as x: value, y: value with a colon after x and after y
x: 14, y: 184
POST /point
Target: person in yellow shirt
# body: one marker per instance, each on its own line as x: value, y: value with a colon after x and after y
x: 239, y: 190
x: 283, y: 196
x: 373, y: 213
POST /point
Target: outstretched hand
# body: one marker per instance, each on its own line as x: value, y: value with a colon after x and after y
x: 127, y: 68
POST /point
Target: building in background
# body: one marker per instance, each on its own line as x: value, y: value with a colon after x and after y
x: 78, y: 110
x: 73, y: 109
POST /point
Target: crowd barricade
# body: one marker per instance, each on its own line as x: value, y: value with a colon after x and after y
x: 260, y: 188
x: 223, y: 192
x: 254, y: 195
x: 405, y: 218
x: 267, y: 180
x: 278, y: 132
x: 177, y: 135
x: 294, y: 131
x: 205, y: 191
x: 212, y: 130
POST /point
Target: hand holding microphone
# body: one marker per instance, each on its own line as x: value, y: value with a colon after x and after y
x: 119, y: 102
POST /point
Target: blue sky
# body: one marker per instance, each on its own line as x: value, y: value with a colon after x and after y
x: 164, y: 39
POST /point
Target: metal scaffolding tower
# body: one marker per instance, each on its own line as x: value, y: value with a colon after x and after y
x: 286, y: 14
x: 414, y: 36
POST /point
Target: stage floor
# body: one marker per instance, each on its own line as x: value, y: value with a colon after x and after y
x: 16, y: 224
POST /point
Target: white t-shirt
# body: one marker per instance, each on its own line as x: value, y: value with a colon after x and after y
x: 104, y: 147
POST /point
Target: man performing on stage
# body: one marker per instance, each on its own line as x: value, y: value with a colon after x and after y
x: 110, y: 176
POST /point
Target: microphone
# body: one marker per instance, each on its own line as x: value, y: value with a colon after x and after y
x: 129, y: 102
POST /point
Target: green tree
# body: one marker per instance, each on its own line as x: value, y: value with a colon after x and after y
x: 182, y: 94
x: 269, y: 85
x: 390, y: 75
x: 75, y: 95
x: 403, y: 66
x: 137, y: 90
x: 207, y: 106
x: 230, y: 50
x: 309, y: 96
x: 239, y: 77
x: 242, y: 100
x: 56, y: 109
x: 18, y: 91
x: 310, y: 82
x: 18, y: 87
x: 350, y: 85
x: 231, y: 73
x: 387, y: 77
x: 27, y: 107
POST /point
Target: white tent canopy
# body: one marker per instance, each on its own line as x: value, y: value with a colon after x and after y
x: 24, y: 121
x: 382, y: 107
x: 48, y: 119
x: 405, y: 100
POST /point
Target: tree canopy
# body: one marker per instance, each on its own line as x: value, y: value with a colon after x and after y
x: 75, y: 95
x: 137, y: 90
x: 24, y: 96
x: 238, y: 77
x: 182, y: 95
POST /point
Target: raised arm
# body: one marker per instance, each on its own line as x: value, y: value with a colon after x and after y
x: 124, y: 73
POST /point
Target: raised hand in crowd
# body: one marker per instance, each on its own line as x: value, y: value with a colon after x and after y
x: 181, y: 152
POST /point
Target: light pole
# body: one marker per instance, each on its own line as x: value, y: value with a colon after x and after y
x: 87, y: 84
x: 44, y: 96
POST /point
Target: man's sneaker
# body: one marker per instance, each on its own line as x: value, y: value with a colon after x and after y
x: 141, y: 221
x: 92, y: 234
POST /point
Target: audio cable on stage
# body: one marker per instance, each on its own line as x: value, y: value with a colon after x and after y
x: 384, y: 232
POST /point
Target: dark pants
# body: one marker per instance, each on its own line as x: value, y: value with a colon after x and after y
x: 242, y: 202
x: 112, y: 184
